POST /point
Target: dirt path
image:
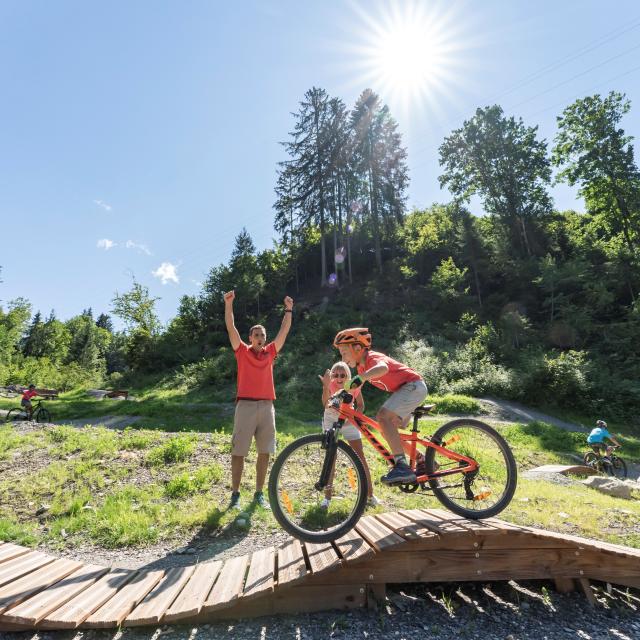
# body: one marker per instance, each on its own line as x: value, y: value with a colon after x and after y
x: 507, y: 411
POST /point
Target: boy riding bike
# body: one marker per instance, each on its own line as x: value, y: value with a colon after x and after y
x: 597, y: 437
x: 26, y: 399
x: 406, y: 386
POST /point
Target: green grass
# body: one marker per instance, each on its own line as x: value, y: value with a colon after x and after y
x: 168, y: 475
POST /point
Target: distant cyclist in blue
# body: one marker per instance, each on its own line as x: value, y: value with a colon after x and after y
x: 597, y: 437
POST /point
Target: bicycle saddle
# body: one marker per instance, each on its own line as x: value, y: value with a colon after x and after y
x: 423, y: 410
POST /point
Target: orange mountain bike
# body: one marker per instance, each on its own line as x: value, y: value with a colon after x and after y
x: 467, y: 465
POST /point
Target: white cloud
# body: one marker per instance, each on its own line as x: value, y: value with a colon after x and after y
x: 130, y: 244
x: 103, y: 204
x: 166, y: 272
x: 105, y: 243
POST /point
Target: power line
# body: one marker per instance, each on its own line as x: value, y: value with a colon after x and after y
x: 612, y: 35
x: 578, y: 75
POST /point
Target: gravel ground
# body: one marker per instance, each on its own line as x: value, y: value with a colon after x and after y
x: 499, y: 611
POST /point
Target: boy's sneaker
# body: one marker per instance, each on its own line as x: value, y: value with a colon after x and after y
x: 324, y: 505
x: 260, y: 500
x: 372, y: 501
x: 400, y: 474
x: 235, y: 501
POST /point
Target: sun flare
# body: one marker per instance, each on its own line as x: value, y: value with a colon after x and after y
x: 408, y: 57
x: 410, y: 51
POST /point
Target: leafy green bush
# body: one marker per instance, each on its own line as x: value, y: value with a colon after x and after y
x: 452, y: 403
x: 179, y: 486
x: 176, y: 449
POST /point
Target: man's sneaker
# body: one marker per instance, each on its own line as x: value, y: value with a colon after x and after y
x: 260, y: 500
x: 372, y: 501
x: 235, y: 501
x: 324, y: 505
x: 400, y: 474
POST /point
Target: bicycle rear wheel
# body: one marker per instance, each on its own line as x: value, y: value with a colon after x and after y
x: 14, y: 414
x: 296, y: 500
x: 43, y: 415
x: 590, y: 459
x: 481, y: 493
x: 618, y: 468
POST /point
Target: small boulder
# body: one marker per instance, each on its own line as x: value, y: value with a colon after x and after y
x: 610, y: 486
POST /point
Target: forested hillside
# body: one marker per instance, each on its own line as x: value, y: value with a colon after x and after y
x: 514, y: 299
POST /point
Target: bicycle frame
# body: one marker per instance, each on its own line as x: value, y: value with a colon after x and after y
x: 410, y: 441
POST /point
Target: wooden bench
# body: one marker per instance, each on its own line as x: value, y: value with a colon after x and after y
x: 117, y: 393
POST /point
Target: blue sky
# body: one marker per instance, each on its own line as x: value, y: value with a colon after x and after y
x: 140, y: 137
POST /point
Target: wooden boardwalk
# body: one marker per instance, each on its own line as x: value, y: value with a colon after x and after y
x: 40, y: 591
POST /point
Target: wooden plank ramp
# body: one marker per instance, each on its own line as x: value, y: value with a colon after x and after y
x: 38, y: 591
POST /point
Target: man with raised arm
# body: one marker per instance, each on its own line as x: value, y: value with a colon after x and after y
x: 254, y: 415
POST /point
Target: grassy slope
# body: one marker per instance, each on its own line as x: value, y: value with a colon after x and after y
x: 143, y: 485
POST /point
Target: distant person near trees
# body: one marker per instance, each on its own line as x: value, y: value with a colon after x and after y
x: 598, y: 436
x: 254, y: 414
x: 26, y: 399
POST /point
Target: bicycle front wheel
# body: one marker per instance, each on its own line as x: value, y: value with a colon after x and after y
x: 483, y: 492
x: 14, y: 414
x: 618, y: 468
x: 43, y: 415
x: 297, y: 502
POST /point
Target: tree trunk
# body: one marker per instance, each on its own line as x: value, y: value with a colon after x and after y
x: 373, y: 209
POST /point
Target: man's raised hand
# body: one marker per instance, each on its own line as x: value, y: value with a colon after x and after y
x: 288, y: 303
x: 229, y: 296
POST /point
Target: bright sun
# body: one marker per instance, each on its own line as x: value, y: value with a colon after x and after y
x: 410, y: 50
x: 408, y: 58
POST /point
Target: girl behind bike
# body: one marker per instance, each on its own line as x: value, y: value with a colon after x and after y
x: 332, y: 382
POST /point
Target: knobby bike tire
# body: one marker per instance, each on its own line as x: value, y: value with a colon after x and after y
x: 13, y: 414
x: 590, y: 459
x: 440, y: 436
x: 280, y: 512
x: 618, y: 467
x: 43, y: 415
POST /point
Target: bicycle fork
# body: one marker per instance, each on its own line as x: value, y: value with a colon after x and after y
x: 330, y: 445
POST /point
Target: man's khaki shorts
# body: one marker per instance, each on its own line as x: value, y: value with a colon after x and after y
x: 254, y: 418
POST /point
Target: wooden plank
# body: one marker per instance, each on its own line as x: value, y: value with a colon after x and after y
x: 114, y: 611
x: 404, y: 527
x: 414, y: 565
x: 261, y: 573
x: 9, y: 551
x: 352, y: 546
x: 75, y: 611
x: 585, y: 586
x: 291, y: 563
x: 37, y: 607
x: 478, y: 527
x: 322, y: 557
x: 20, y: 566
x: 585, y: 543
x: 190, y: 600
x: 160, y: 598
x: 295, y: 599
x: 377, y: 534
x: 429, y: 519
x: 228, y: 586
x: 19, y: 590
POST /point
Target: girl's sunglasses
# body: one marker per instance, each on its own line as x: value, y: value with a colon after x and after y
x: 338, y: 375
